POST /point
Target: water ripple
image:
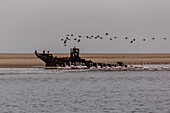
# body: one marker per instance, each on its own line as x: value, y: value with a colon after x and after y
x: 85, y: 92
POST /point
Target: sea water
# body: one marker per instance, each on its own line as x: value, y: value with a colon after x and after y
x: 55, y: 91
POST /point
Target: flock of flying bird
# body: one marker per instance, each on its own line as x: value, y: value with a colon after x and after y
x: 78, y: 38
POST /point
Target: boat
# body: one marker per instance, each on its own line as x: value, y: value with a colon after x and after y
x: 72, y: 62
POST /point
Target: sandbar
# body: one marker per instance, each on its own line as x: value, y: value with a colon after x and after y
x: 29, y: 60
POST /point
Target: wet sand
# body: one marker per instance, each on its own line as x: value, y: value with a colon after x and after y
x: 30, y: 60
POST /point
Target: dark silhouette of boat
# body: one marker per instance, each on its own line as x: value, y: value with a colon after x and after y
x: 74, y: 60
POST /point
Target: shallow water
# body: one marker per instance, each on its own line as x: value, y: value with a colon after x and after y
x: 52, y: 91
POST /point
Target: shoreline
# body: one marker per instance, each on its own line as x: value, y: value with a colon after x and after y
x: 22, y: 60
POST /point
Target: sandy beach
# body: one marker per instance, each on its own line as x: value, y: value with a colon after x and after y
x: 12, y: 60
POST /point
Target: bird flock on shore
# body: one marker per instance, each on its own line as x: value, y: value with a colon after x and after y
x: 78, y: 38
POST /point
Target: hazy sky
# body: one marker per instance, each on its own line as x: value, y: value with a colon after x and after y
x: 26, y: 25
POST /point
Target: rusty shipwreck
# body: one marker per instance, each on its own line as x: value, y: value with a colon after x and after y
x: 73, y: 60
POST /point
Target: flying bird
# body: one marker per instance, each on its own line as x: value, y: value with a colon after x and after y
x: 126, y: 38
x: 67, y: 38
x: 65, y: 41
x: 144, y: 39
x: 153, y: 38
x: 110, y: 38
x: 78, y: 40
x: 115, y: 37
x: 164, y: 38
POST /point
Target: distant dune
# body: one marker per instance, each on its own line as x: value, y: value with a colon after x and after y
x: 15, y: 60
